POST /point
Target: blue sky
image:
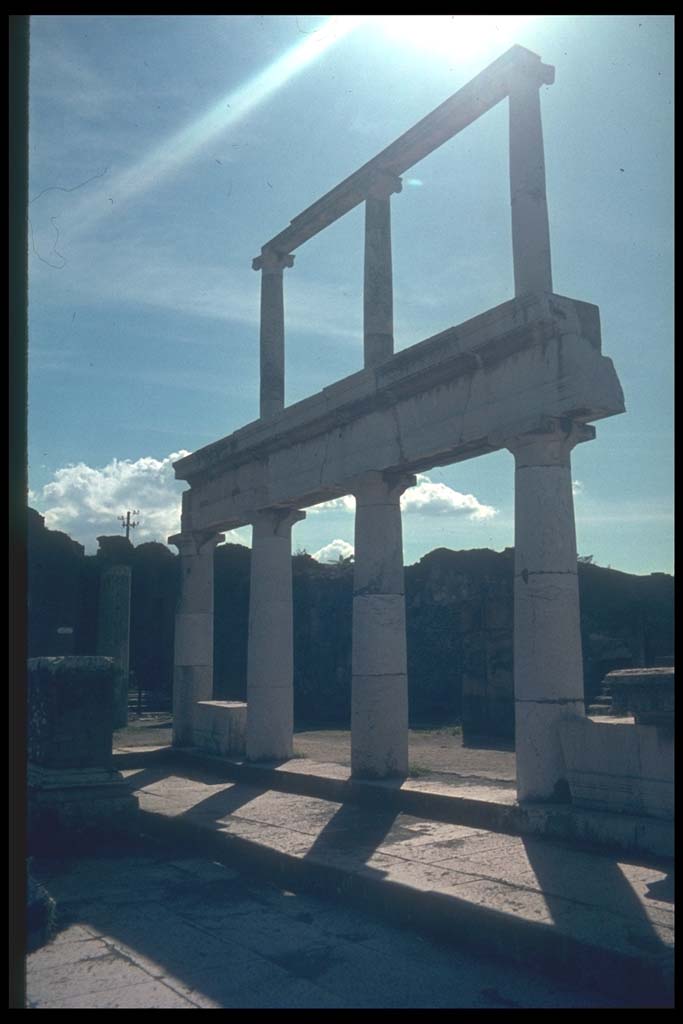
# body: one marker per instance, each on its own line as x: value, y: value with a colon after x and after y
x: 164, y: 151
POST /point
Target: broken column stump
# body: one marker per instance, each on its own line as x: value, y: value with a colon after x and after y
x: 113, y: 633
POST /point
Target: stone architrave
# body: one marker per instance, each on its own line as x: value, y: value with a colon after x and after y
x: 272, y: 394
x: 270, y: 655
x: 379, y: 687
x: 193, y: 649
x: 548, y: 667
x: 71, y: 783
x: 113, y: 633
x: 378, y: 296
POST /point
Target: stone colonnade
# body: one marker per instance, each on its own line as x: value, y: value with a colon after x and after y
x: 547, y: 639
x: 548, y: 662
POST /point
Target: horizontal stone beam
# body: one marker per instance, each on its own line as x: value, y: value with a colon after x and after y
x: 482, y: 93
x: 454, y: 396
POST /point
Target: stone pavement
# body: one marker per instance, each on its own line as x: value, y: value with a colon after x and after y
x: 605, y: 918
x: 150, y: 925
x: 589, y: 927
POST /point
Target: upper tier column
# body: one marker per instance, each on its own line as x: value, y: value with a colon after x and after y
x: 193, y: 650
x: 272, y: 392
x: 530, y: 231
x: 379, y: 689
x: 378, y: 296
x: 548, y: 667
x: 270, y: 656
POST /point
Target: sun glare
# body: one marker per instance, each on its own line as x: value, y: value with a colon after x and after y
x: 461, y: 37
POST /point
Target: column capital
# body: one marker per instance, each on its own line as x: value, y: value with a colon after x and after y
x: 378, y: 488
x: 272, y: 262
x: 549, y: 443
x: 196, y: 543
x: 277, y: 521
x: 383, y: 185
x: 533, y: 75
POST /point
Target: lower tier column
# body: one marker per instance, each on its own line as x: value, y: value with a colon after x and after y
x: 270, y: 656
x: 379, y: 688
x: 548, y: 666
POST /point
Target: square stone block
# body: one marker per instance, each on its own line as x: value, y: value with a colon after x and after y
x: 618, y: 766
x: 70, y: 712
x: 220, y: 727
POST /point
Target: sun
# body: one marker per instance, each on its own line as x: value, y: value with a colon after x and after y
x: 461, y: 37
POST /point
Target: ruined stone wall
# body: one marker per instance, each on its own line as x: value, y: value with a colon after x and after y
x: 459, y: 626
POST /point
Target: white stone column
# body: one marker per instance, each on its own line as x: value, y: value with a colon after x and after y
x: 378, y: 296
x: 530, y: 231
x: 548, y: 668
x: 193, y: 657
x: 270, y: 655
x: 379, y: 689
x: 272, y: 392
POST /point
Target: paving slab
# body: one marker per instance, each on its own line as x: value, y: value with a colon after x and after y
x: 280, y: 948
x: 611, y: 917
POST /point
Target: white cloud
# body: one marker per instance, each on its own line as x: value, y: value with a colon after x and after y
x: 436, y: 499
x: 85, y: 501
x: 427, y: 498
x: 347, y: 503
x: 333, y: 551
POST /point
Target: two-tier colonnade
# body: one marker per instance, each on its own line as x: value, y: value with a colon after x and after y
x: 527, y: 376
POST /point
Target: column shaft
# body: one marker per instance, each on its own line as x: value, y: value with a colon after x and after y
x: 270, y: 657
x: 379, y: 691
x: 272, y: 388
x: 193, y: 655
x: 548, y: 668
x: 378, y: 298
x: 530, y: 231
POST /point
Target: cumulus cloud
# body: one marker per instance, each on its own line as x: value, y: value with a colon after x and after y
x: 436, y: 499
x: 427, y: 498
x: 347, y: 503
x: 85, y: 501
x: 333, y: 551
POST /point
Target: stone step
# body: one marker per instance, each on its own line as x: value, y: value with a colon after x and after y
x: 463, y: 800
x: 565, y: 911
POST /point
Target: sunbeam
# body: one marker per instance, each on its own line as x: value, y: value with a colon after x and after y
x: 222, y: 115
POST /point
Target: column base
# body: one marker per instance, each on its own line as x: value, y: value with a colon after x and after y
x: 541, y: 770
x: 63, y: 803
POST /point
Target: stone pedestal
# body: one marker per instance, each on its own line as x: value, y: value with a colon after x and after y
x: 270, y: 657
x: 530, y: 231
x: 71, y: 782
x: 272, y: 393
x: 548, y: 670
x: 220, y: 727
x: 379, y: 688
x: 193, y: 650
x: 378, y: 298
x: 113, y: 633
